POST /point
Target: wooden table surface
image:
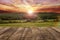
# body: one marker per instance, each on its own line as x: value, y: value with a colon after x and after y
x: 32, y: 33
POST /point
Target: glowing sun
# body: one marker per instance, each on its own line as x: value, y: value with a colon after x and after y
x: 30, y: 12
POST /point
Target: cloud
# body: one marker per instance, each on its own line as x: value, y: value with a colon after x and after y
x: 18, y: 5
x: 50, y: 9
x: 32, y: 2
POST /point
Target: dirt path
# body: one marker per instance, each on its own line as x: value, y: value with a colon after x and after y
x: 33, y: 33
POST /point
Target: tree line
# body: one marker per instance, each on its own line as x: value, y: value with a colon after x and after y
x: 20, y: 16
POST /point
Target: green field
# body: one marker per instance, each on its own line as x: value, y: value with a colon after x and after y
x: 44, y: 19
x: 30, y: 24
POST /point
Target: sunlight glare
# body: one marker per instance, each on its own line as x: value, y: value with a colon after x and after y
x: 30, y: 12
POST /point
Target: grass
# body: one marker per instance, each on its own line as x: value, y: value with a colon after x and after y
x: 29, y: 24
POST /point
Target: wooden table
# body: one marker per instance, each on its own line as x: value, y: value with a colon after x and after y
x: 32, y: 33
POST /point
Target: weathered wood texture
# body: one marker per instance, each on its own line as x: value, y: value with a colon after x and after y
x: 33, y: 33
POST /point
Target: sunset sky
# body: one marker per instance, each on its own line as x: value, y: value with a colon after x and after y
x: 25, y: 5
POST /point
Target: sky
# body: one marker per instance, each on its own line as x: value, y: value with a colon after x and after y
x: 27, y: 4
x: 32, y: 2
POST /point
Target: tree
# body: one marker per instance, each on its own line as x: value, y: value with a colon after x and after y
x: 47, y: 15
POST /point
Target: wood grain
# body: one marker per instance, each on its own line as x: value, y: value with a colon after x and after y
x: 32, y: 33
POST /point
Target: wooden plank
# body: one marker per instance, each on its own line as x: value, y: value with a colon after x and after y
x: 24, y: 34
x: 2, y: 30
x: 17, y: 34
x: 35, y: 34
x: 45, y: 35
x: 7, y: 33
x: 28, y: 34
x: 56, y: 29
x: 54, y: 33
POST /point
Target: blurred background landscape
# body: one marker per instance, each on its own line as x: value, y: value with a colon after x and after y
x: 29, y: 19
x: 27, y: 13
x: 39, y: 19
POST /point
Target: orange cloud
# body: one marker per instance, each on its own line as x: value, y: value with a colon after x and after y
x: 21, y: 8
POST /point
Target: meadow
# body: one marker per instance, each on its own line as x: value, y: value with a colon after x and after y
x: 44, y: 19
x: 20, y: 23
